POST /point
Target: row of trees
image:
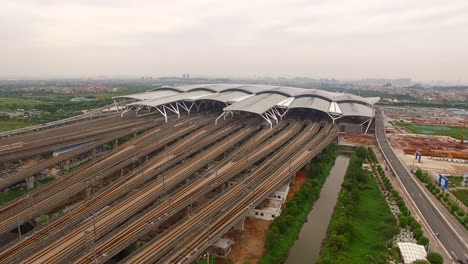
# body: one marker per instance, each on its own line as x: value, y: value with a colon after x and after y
x: 444, y: 198
x: 283, y: 231
x: 405, y: 219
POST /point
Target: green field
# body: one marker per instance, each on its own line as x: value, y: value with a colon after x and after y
x: 462, y: 195
x: 452, y: 131
x: 25, y: 103
x: 362, y: 223
x: 6, y: 125
x: 455, y: 180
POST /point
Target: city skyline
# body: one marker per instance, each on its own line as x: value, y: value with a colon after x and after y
x: 423, y: 40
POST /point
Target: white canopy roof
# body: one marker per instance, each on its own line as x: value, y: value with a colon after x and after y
x: 411, y: 252
x: 260, y: 98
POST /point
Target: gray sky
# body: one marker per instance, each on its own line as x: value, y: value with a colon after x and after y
x: 426, y: 40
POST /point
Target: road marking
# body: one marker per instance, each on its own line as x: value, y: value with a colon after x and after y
x: 454, y: 254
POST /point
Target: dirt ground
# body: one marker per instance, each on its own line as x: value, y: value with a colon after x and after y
x: 28, y: 163
x: 437, y: 166
x: 249, y: 244
x: 406, y: 145
x: 357, y: 139
x: 301, y: 177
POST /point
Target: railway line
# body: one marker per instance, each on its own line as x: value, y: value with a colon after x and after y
x: 56, y: 192
x: 96, y: 113
x: 31, y: 171
x: 188, y: 252
x: 110, y: 218
x: 175, y: 153
x: 120, y: 238
x: 17, y: 147
x: 182, y: 232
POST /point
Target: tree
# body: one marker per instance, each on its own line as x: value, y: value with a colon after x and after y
x: 418, y: 173
x: 361, y: 152
x: 435, y: 258
x: 420, y: 261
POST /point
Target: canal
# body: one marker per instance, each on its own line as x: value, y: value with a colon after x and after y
x: 306, y: 249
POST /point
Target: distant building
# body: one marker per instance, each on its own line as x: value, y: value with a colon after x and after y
x: 82, y: 99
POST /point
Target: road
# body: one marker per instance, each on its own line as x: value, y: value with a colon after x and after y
x: 433, y: 217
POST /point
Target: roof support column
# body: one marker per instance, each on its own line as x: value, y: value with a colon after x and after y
x: 267, y: 119
x: 162, y: 112
x: 283, y: 114
x: 126, y: 110
x: 368, y: 125
x: 334, y: 117
x: 139, y: 108
x: 184, y: 106
x: 174, y: 109
x: 272, y: 114
x: 221, y: 115
x: 197, y: 105
x: 117, y: 106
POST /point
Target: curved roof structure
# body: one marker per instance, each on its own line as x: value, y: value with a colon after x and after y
x: 265, y: 100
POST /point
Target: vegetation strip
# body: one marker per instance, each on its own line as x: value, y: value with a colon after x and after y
x: 284, y: 230
x: 405, y: 220
x: 444, y: 198
x: 362, y: 224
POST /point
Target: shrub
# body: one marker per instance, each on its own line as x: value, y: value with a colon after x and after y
x: 435, y: 258
x: 403, y: 220
x: 361, y: 152
x: 418, y: 233
x: 423, y: 240
x: 418, y: 173
x: 454, y: 207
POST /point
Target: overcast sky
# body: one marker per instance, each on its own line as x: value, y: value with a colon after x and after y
x: 425, y: 40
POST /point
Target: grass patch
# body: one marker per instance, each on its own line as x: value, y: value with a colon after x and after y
x: 452, y: 131
x: 20, y: 102
x: 457, y: 180
x: 462, y: 195
x: 7, y: 125
x: 284, y: 230
x: 19, y: 191
x: 362, y: 223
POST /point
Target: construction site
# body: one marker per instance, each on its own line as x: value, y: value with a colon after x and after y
x: 439, y: 153
x: 167, y: 174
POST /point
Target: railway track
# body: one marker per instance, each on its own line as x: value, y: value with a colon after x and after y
x: 175, y: 153
x: 188, y: 252
x: 182, y: 233
x: 165, y: 242
x: 56, y: 192
x: 31, y: 171
x: 120, y: 238
x: 17, y: 147
x: 107, y: 220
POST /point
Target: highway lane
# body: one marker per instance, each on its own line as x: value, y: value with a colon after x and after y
x: 433, y: 217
